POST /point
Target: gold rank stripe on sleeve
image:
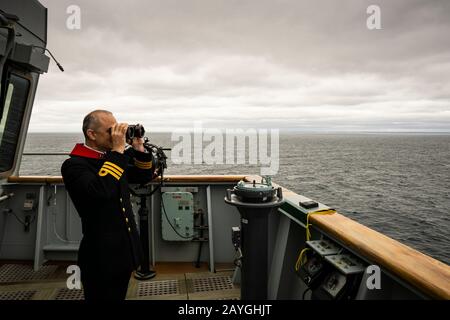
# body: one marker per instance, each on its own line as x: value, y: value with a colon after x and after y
x: 112, y: 169
x: 113, y: 165
x: 143, y: 165
x: 104, y: 171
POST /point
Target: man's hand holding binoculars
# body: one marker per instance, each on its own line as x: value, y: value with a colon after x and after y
x: 138, y: 144
x: 118, y: 132
x: 119, y: 136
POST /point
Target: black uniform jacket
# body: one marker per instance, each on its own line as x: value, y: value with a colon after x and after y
x: 98, y: 186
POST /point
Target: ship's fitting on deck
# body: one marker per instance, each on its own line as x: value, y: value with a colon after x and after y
x: 349, y: 252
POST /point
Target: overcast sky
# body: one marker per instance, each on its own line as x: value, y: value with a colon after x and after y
x: 297, y: 65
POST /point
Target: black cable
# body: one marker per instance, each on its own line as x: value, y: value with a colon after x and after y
x: 23, y: 222
x: 197, y: 264
x: 54, y: 59
x: 154, y: 190
x: 170, y: 224
x: 18, y: 219
x: 304, y: 293
x: 161, y: 167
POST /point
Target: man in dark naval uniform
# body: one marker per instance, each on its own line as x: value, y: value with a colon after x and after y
x: 96, y: 177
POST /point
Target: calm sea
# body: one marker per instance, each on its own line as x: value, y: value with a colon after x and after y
x: 398, y: 184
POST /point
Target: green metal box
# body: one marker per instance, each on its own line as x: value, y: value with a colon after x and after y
x: 177, y: 216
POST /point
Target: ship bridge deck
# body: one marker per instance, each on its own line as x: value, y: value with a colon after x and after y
x: 56, y: 231
x: 173, y: 281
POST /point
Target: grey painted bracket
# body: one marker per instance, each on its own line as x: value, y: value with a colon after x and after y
x: 212, y: 267
x: 152, y: 227
x: 40, y: 232
x: 279, y: 253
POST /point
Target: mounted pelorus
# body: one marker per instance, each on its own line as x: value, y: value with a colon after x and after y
x: 255, y: 202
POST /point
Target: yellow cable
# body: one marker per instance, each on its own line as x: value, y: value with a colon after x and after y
x: 301, y: 260
x: 323, y: 211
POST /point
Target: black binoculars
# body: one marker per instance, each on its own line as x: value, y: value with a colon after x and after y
x: 135, y: 131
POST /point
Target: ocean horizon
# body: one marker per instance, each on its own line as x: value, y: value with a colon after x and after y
x: 395, y: 183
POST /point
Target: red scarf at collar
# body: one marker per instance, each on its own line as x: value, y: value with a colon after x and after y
x: 82, y: 151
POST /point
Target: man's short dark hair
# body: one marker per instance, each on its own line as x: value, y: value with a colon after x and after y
x: 90, y: 121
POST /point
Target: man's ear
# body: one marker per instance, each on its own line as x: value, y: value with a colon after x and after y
x: 91, y: 135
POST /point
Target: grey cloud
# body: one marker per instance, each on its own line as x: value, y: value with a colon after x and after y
x: 319, y: 35
x: 240, y: 62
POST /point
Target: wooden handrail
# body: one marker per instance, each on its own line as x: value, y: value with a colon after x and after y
x: 427, y: 274
x: 423, y: 272
x: 35, y: 179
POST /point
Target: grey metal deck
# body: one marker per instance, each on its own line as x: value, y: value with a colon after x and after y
x: 20, y: 282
